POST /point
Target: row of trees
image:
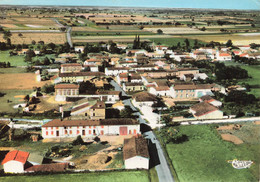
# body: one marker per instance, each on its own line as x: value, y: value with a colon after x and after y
x: 5, y: 65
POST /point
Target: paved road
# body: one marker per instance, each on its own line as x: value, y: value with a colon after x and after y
x: 68, y: 31
x: 68, y: 34
x: 34, y: 31
x: 60, y: 25
x: 163, y: 170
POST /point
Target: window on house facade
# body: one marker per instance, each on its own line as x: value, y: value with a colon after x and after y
x: 47, y: 133
x: 70, y: 132
x: 51, y: 132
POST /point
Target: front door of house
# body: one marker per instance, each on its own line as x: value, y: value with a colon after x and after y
x: 123, y: 130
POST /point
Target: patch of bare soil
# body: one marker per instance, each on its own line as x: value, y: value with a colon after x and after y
x: 257, y: 122
x: 229, y: 127
x: 94, y: 162
x: 232, y: 138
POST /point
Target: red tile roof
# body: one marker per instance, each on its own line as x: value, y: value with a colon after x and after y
x: 224, y: 54
x: 203, y: 108
x: 58, y: 167
x: 135, y: 146
x: 16, y: 155
x: 75, y: 74
x: 66, y: 86
x: 77, y: 108
x: 113, y: 121
x: 71, y: 65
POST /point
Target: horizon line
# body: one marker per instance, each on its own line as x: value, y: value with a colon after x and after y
x: 137, y: 7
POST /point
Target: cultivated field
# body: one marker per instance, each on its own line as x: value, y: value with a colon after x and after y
x: 117, y: 38
x: 19, y: 81
x: 237, y: 39
x: 28, y: 23
x: 104, y: 17
x: 176, y: 30
x: 28, y: 37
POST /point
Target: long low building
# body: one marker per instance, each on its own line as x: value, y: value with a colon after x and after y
x: 89, y: 128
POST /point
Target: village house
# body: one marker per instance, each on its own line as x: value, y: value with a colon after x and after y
x: 64, y: 90
x: 70, y: 67
x: 160, y: 91
x: 100, y: 82
x: 98, y: 111
x: 244, y: 47
x: 79, y: 49
x: 160, y: 88
x: 93, y: 61
x: 210, y: 100
x: 144, y: 99
x: 184, y: 71
x: 136, y: 153
x: 161, y: 73
x: 15, y: 161
x: 119, y: 105
x: 127, y: 63
x: 92, y: 68
x: 90, y: 128
x: 80, y: 109
x: 178, y: 56
x: 23, y: 162
x: 122, y: 77
x: 109, y: 97
x: 76, y: 77
x: 199, y: 55
x: 223, y: 56
x: 135, y: 52
x: 133, y: 86
x: 190, y: 91
x: 142, y: 67
x: 135, y: 78
x: 205, y: 110
x: 116, y: 71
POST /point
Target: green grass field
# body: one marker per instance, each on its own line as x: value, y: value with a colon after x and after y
x: 124, y: 176
x: 254, y: 72
x: 10, y: 95
x: 172, y: 41
x: 14, y: 60
x: 204, y: 157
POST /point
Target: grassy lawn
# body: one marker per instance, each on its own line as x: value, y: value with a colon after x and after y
x: 124, y: 176
x: 204, y: 157
x: 12, y: 70
x: 254, y: 72
x: 172, y: 41
x: 153, y: 175
x: 14, y: 60
x: 10, y: 95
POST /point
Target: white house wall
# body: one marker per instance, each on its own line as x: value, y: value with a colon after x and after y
x: 13, y: 167
x: 137, y: 162
x: 89, y: 130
